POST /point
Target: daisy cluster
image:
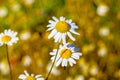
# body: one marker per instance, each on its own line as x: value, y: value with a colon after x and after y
x: 62, y: 29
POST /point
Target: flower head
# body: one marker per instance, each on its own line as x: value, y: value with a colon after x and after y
x: 66, y: 54
x: 26, y: 76
x: 102, y: 10
x: 61, y: 28
x: 8, y: 37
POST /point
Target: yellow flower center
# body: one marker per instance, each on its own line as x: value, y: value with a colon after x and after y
x: 65, y: 53
x: 6, y: 38
x: 62, y: 26
x: 30, y: 78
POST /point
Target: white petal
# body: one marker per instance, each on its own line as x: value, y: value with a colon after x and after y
x: 52, y: 22
x: 52, y: 53
x: 1, y: 44
x: 57, y: 37
x: 74, y: 26
x: 55, y: 18
x: 32, y: 74
x: 40, y: 78
x: 75, y: 56
x: 22, y: 76
x: 58, y: 62
x: 71, y: 64
x: 52, y: 58
x: 78, y: 53
x: 37, y: 76
x: 26, y: 73
x: 50, y: 28
x: 60, y: 37
x: 62, y: 18
x: 64, y: 38
x: 70, y: 36
x: 72, y: 60
x: 65, y: 62
x: 74, y: 32
x: 50, y: 25
x: 9, y: 44
x: 52, y: 34
x: 69, y: 21
x: 55, y: 50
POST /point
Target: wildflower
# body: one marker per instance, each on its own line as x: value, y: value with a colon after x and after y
x: 61, y: 28
x: 8, y: 37
x: 102, y: 10
x: 4, y: 67
x: 66, y: 54
x: 104, y: 31
x: 26, y: 60
x: 26, y: 76
x: 3, y: 11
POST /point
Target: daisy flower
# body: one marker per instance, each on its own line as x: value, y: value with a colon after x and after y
x: 67, y: 53
x: 27, y: 76
x: 8, y: 37
x: 61, y: 28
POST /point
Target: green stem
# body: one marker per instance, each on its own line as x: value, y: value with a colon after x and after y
x: 52, y: 64
x: 9, y: 62
x: 65, y: 73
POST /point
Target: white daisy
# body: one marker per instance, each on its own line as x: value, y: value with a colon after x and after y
x: 61, y: 28
x: 26, y: 76
x: 8, y: 37
x: 66, y: 54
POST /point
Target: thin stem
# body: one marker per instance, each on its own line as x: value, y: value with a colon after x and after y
x: 52, y: 64
x: 65, y: 73
x: 9, y: 62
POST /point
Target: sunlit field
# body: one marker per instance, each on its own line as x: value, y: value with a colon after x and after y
x: 29, y: 46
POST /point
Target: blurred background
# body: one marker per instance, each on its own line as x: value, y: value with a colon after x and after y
x: 99, y: 42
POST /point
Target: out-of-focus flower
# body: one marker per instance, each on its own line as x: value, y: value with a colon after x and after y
x: 93, y: 70
x: 104, y: 31
x: 102, y: 51
x: 102, y: 10
x: 55, y: 71
x: 3, y: 11
x: 16, y: 7
x: 4, y: 67
x: 29, y: 1
x: 80, y: 77
x: 26, y: 76
x: 8, y: 37
x: 26, y: 60
x: 61, y: 28
x: 25, y: 35
x: 66, y: 54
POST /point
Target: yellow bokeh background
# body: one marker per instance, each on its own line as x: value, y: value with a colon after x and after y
x: 99, y: 28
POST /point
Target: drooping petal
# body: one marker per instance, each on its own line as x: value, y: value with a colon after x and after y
x: 74, y: 32
x: 52, y: 34
x: 72, y: 60
x: 70, y: 36
x: 75, y: 56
